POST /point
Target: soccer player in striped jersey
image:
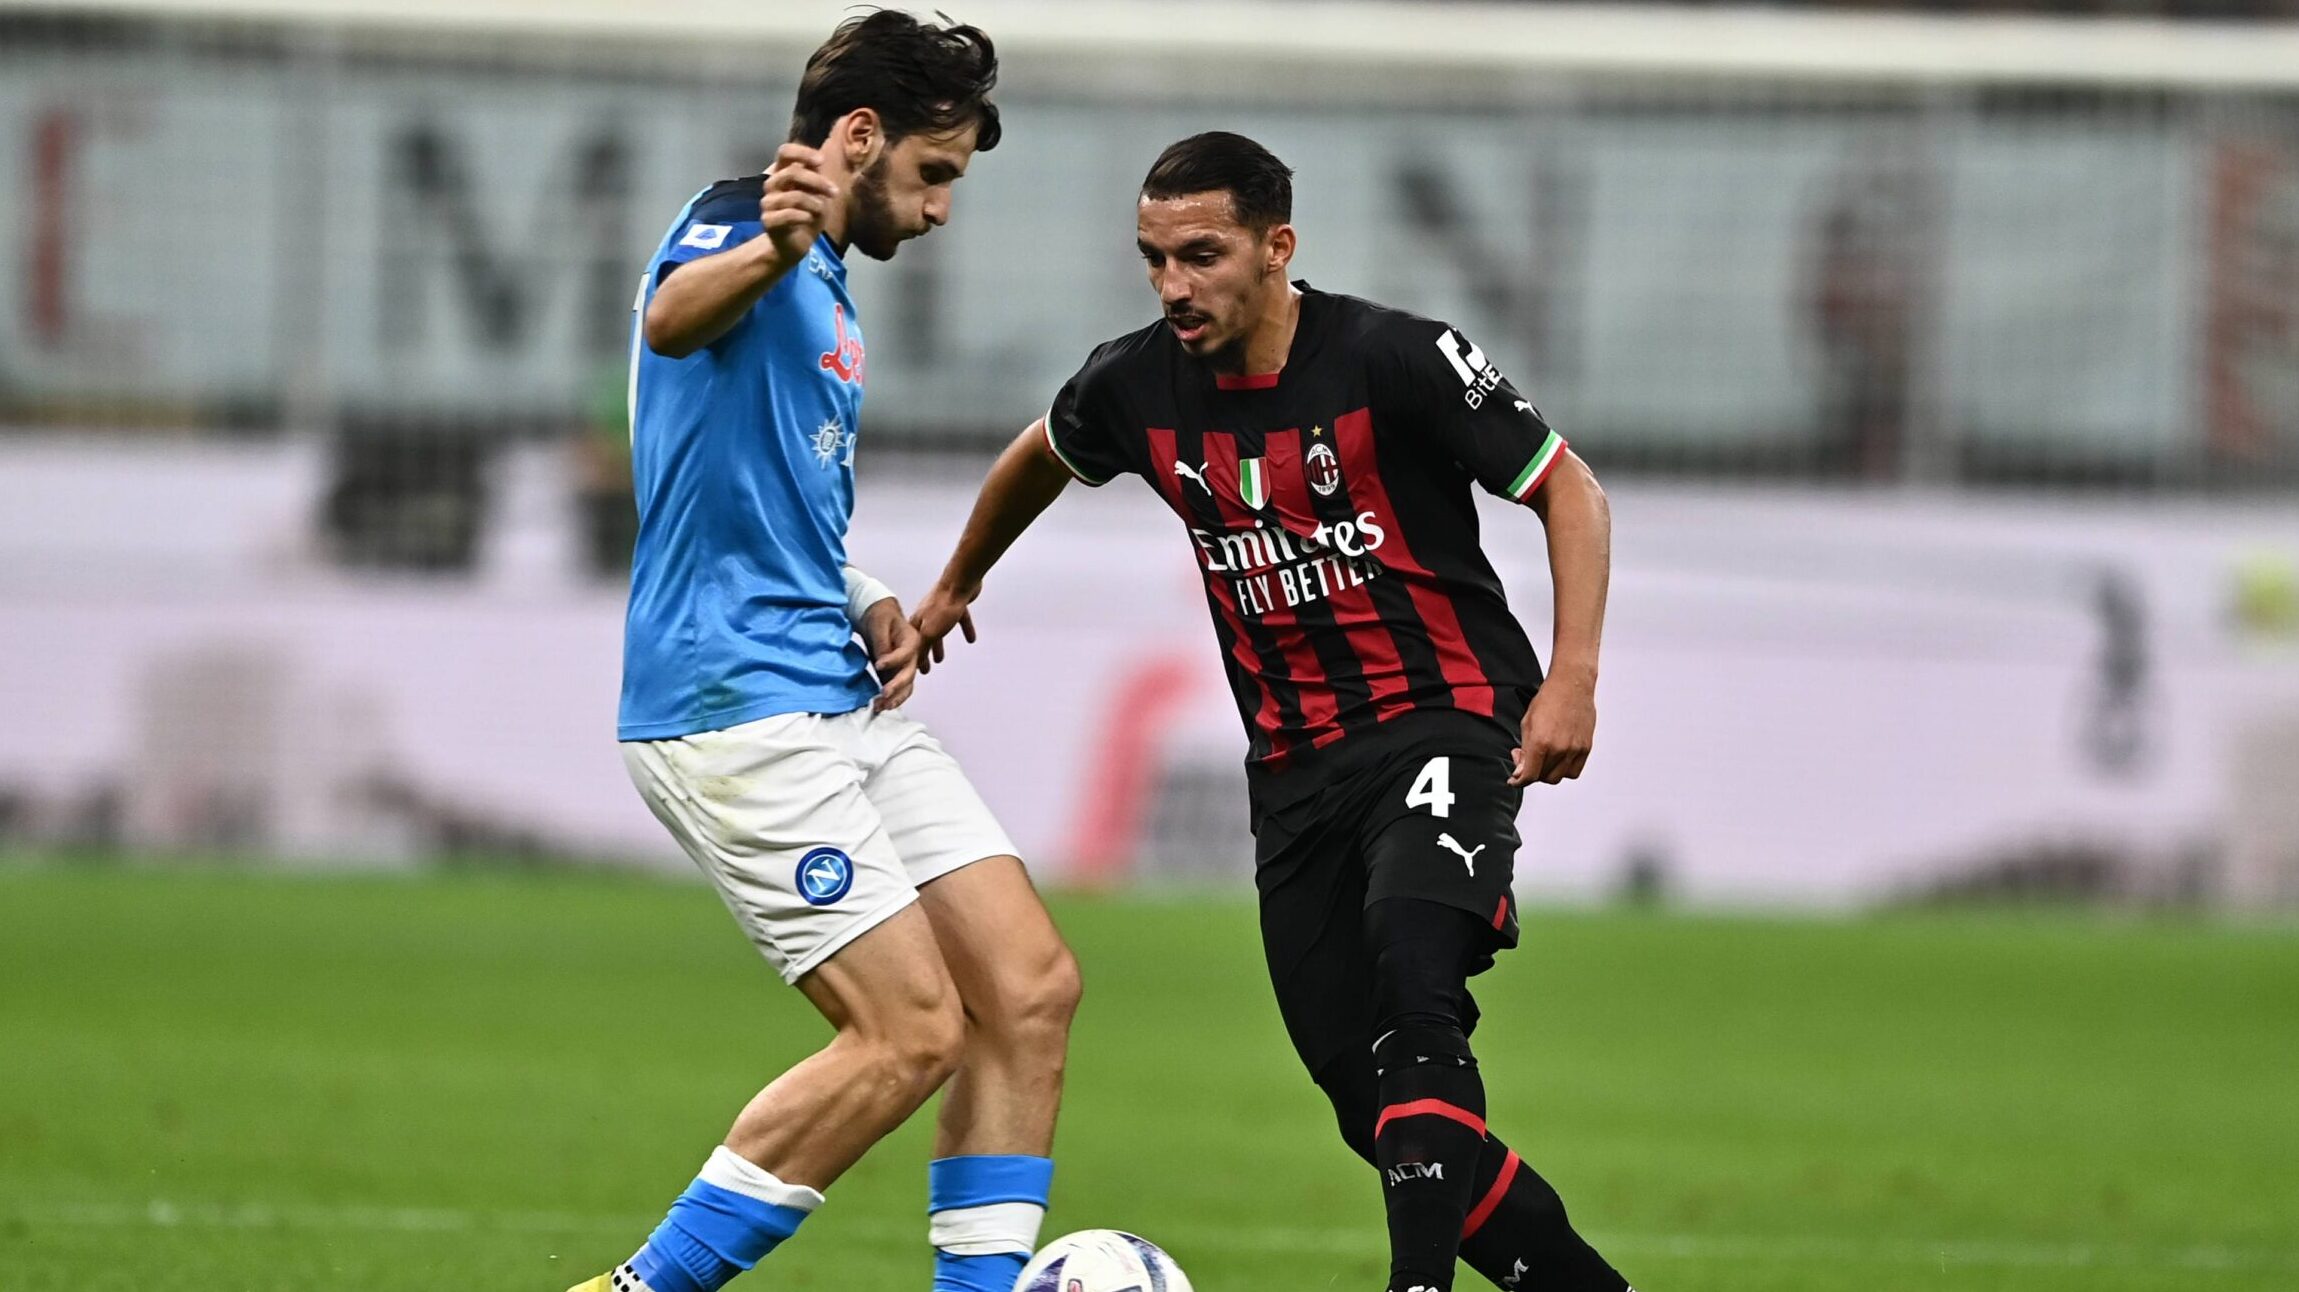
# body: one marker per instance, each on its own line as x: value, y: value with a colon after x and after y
x: 762, y: 685
x: 1319, y: 451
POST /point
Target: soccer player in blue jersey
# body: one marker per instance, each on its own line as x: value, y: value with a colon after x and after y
x: 846, y: 842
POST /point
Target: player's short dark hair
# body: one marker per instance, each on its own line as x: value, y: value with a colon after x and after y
x: 1260, y: 187
x: 917, y: 76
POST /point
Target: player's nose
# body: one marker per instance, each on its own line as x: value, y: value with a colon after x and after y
x: 937, y: 211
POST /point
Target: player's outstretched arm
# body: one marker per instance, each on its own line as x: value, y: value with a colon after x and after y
x: 1024, y: 481
x: 706, y: 297
x: 1561, y: 724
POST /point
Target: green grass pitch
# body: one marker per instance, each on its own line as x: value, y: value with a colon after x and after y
x: 214, y: 1081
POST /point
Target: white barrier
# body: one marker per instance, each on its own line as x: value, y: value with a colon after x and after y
x: 1814, y: 698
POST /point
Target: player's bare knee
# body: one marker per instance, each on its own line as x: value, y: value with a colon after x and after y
x: 1031, y: 1005
x: 923, y: 1046
x: 1051, y: 999
x: 906, y: 1023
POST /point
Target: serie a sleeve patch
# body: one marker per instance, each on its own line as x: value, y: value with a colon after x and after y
x: 706, y: 237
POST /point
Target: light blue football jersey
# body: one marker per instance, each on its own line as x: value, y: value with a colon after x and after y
x: 742, y: 457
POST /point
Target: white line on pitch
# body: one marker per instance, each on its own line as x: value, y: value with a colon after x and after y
x: 160, y: 1214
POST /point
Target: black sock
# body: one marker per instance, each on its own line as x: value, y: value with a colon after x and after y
x: 1516, y: 1233
x: 1427, y: 1140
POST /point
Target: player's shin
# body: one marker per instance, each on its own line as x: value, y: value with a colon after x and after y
x: 733, y: 1214
x: 1426, y: 1141
x: 984, y: 1212
x: 1517, y: 1234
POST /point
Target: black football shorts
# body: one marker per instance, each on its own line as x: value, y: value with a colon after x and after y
x: 1426, y: 813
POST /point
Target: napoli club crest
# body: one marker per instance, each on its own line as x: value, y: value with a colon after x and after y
x: 1324, y: 469
x: 824, y: 876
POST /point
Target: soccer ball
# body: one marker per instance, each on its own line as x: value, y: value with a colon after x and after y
x: 1101, y: 1260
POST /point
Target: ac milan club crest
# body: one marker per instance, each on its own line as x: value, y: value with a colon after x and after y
x: 1324, y: 470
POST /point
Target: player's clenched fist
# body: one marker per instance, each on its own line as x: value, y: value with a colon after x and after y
x: 796, y: 202
x: 1555, y: 737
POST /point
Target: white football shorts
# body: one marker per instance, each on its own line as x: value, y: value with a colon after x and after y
x: 816, y: 828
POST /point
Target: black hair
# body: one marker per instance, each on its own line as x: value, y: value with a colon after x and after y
x: 916, y: 75
x: 1260, y: 187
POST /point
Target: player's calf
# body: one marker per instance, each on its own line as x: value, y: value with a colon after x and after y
x: 1429, y: 1130
x: 992, y: 1175
x: 1427, y: 1137
x: 985, y: 1208
x: 1517, y: 1233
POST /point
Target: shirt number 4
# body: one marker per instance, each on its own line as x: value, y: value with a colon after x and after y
x: 1433, y: 788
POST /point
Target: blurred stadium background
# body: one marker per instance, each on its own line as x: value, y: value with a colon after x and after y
x: 1946, y: 371
x: 1942, y: 362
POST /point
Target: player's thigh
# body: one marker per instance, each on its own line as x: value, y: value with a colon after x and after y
x: 774, y: 813
x: 888, y: 984
x: 1312, y: 897
x: 1423, y: 955
x: 998, y: 940
x: 1443, y: 828
x: 1012, y: 968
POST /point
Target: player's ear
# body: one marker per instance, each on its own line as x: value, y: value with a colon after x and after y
x: 1280, y: 248
x: 861, y: 136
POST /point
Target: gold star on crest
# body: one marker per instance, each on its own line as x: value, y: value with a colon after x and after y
x: 1317, y: 430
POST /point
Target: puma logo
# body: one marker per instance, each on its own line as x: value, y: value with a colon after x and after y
x: 1468, y: 856
x: 1185, y: 469
x: 1524, y: 406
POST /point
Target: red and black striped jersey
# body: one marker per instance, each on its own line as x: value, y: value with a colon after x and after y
x: 1328, y: 507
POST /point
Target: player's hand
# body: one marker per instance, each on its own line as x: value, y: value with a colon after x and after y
x: 1559, y: 727
x: 943, y: 609
x: 797, y: 201
x: 894, y: 653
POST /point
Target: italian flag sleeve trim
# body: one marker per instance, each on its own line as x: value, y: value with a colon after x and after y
x: 1046, y: 425
x: 1537, y: 470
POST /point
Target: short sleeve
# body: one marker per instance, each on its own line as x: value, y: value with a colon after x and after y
x: 1495, y: 433
x: 1083, y: 427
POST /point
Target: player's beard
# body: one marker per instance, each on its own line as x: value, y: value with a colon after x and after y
x: 872, y: 229
x: 1228, y: 356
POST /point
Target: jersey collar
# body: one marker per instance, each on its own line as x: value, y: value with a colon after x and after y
x: 830, y: 256
x: 1245, y: 380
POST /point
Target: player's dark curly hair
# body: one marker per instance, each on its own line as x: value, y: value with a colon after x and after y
x: 1260, y: 187
x: 916, y: 75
